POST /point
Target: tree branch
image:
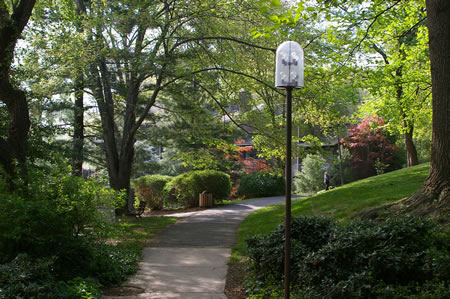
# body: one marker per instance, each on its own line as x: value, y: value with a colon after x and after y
x: 223, y: 38
x: 225, y: 70
x: 381, y: 52
x: 222, y: 108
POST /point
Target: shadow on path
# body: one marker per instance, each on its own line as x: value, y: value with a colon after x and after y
x: 189, y: 258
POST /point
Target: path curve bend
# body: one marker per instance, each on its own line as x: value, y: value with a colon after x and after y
x: 189, y: 258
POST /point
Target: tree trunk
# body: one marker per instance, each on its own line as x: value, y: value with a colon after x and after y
x: 407, y: 127
x: 78, y: 127
x: 119, y: 164
x: 434, y: 197
x: 410, y: 147
x: 78, y: 110
x: 15, y: 145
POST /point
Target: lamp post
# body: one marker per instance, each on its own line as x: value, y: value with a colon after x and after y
x: 289, y: 76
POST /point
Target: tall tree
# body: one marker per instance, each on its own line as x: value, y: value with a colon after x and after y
x: 138, y: 50
x: 434, y: 197
x: 351, y: 24
x: 399, y: 79
x: 13, y: 19
x: 78, y: 110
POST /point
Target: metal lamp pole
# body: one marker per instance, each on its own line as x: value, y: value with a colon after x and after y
x: 288, y: 173
x: 289, y: 76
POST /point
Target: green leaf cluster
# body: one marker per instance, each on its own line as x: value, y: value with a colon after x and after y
x: 404, y: 256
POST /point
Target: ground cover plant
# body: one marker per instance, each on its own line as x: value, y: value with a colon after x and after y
x: 93, y: 265
x: 400, y: 258
x: 56, y: 242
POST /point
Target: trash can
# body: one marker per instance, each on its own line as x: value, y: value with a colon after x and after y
x: 205, y: 199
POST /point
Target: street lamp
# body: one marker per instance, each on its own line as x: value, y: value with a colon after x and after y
x: 289, y: 76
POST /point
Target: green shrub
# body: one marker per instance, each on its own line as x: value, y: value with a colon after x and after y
x: 57, y: 211
x: 25, y: 277
x: 261, y: 184
x: 184, y: 190
x: 60, y: 276
x: 113, y: 264
x: 267, y: 252
x: 404, y: 257
x: 310, y: 178
x: 150, y: 188
x: 52, y: 235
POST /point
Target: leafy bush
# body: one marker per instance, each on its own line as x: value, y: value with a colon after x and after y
x: 61, y: 276
x: 267, y: 252
x: 261, y: 184
x: 113, y: 264
x: 51, y: 238
x: 25, y: 277
x: 56, y: 211
x: 150, y: 188
x: 183, y: 190
x: 310, y: 178
x: 403, y: 257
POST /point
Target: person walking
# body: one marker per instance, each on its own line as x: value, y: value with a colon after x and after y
x: 326, y: 180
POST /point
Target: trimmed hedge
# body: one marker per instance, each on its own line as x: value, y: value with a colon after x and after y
x: 402, y: 258
x: 150, y: 188
x: 184, y: 190
x: 261, y: 184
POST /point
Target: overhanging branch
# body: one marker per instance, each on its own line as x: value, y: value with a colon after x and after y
x: 222, y: 38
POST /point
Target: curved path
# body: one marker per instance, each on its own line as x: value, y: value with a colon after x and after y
x: 189, y: 258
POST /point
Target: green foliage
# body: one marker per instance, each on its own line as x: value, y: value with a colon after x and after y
x: 340, y: 203
x: 55, y: 263
x: 150, y: 188
x: 310, y: 178
x: 83, y: 288
x: 184, y: 190
x: 261, y: 184
x: 25, y: 277
x: 51, y: 238
x: 362, y: 259
x: 113, y: 264
x: 267, y: 251
x: 56, y: 210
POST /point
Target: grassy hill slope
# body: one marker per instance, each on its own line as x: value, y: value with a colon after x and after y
x: 340, y: 203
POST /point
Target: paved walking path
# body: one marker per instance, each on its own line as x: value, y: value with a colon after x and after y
x: 189, y: 259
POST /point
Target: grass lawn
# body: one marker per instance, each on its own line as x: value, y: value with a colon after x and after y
x: 139, y: 232
x: 339, y: 203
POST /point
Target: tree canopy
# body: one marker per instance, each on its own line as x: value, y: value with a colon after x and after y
x: 122, y: 77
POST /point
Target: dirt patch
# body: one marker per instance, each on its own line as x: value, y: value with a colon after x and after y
x: 234, y: 284
x: 123, y: 291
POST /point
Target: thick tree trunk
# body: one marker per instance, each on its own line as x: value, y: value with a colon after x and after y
x: 14, y: 147
x: 434, y: 197
x: 119, y: 163
x: 19, y: 127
